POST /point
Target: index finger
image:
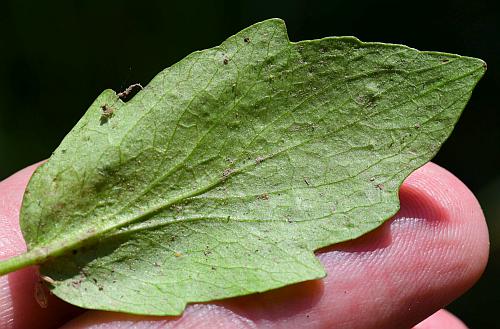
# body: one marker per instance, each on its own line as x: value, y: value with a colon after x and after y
x: 19, y: 290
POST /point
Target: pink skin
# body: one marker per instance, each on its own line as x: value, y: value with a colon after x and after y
x: 441, y: 320
x: 433, y: 250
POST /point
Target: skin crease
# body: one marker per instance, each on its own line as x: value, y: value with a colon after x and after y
x: 432, y: 251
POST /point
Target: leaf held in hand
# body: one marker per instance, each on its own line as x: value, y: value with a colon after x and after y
x: 223, y: 175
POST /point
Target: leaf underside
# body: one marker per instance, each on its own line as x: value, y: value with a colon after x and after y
x: 224, y: 174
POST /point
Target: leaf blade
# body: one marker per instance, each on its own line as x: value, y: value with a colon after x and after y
x: 230, y: 168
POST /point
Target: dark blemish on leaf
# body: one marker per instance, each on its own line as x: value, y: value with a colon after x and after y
x: 156, y: 264
x: 231, y: 161
x: 76, y: 283
x: 177, y: 208
x: 380, y: 186
x: 74, y: 251
x: 246, y: 40
x: 306, y: 181
x: 225, y: 60
x: 63, y: 151
x: 101, y: 288
x: 366, y: 101
x: 259, y: 159
x: 107, y: 113
x: 263, y: 196
x: 124, y: 94
x: 95, y: 280
x: 417, y: 126
x: 372, y: 179
x: 227, y: 172
x: 445, y: 60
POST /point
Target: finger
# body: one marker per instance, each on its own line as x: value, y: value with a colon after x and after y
x: 435, y: 249
x: 18, y: 306
x: 442, y: 319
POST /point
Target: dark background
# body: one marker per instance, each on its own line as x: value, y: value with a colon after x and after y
x: 55, y: 58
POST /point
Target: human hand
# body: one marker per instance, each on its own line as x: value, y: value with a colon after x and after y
x: 434, y: 249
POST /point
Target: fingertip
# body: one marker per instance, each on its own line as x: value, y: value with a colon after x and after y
x: 18, y: 290
x: 448, y: 205
x: 442, y: 319
x: 12, y: 191
x: 434, y: 249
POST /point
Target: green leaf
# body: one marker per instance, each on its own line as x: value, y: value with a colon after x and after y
x: 231, y: 167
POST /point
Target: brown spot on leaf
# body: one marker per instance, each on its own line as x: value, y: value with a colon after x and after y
x: 227, y: 172
x: 246, y: 40
x: 177, y: 208
x: 259, y: 159
x: 380, y: 186
x: 263, y: 196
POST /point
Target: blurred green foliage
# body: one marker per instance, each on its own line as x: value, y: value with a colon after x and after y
x: 112, y: 44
